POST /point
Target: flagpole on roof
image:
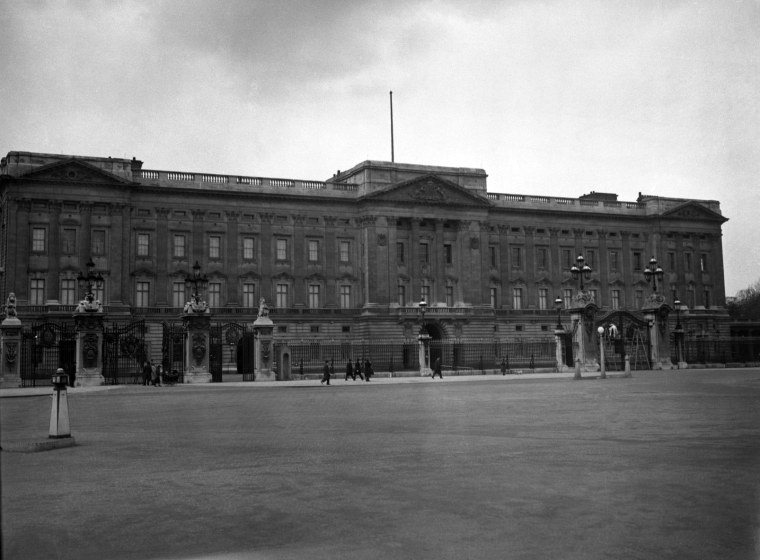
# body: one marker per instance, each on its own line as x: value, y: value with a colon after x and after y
x: 392, y: 155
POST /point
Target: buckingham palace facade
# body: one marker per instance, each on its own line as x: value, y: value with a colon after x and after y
x: 350, y: 256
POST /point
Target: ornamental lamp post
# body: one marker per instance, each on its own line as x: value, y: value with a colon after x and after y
x: 87, y: 281
x: 581, y: 270
x: 197, y: 282
x: 653, y: 272
x: 558, y: 307
x: 600, y: 331
x: 677, y: 305
x: 423, y: 308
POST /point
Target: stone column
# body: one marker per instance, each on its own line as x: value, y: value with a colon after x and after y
x: 88, y: 320
x: 424, y: 354
x: 559, y: 353
x: 198, y: 327
x: 10, y: 342
x: 656, y: 312
x: 263, y: 330
x: 582, y: 319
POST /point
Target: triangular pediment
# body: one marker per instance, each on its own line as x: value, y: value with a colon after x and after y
x: 694, y: 211
x: 73, y: 171
x: 428, y: 189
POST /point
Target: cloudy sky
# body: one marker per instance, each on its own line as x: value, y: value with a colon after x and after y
x: 549, y: 97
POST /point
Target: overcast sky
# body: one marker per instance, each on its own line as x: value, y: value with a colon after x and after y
x: 549, y: 97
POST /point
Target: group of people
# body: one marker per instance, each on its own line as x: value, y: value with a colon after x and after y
x: 151, y: 374
x: 352, y: 370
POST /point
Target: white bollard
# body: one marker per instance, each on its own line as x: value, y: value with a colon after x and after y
x: 59, y: 413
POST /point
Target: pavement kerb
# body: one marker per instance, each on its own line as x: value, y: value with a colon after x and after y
x: 335, y: 382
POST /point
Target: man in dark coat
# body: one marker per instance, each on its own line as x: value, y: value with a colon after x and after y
x: 437, y: 368
x: 326, y: 373
x: 350, y: 371
x: 358, y: 369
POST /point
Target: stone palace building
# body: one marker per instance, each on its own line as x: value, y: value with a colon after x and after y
x: 351, y: 256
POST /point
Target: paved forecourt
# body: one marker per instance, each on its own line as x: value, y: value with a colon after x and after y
x: 659, y: 465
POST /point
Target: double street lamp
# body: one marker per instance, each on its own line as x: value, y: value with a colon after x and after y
x: 90, y: 280
x: 196, y: 282
x: 653, y: 272
x: 581, y: 270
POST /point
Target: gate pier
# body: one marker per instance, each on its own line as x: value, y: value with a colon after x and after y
x: 10, y: 361
x: 656, y: 312
x: 198, y: 327
x: 263, y: 329
x: 88, y: 322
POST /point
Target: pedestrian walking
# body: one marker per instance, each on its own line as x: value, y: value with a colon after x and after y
x: 159, y: 374
x: 350, y: 371
x: 437, y: 368
x: 368, y: 371
x: 326, y: 373
x: 503, y: 366
x: 147, y: 373
x: 358, y: 370
x: 154, y: 375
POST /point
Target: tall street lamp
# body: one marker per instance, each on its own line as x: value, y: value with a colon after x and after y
x: 581, y: 270
x: 90, y: 281
x: 677, y: 305
x: 196, y: 282
x: 653, y: 272
x: 600, y: 331
x: 558, y: 307
x: 423, y: 308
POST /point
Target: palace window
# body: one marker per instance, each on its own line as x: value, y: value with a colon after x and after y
x: 214, y: 294
x: 38, y: 240
x: 98, y: 242
x: 143, y: 244
x: 179, y: 295
x: 707, y: 298
x: 542, y: 254
x: 703, y: 262
x: 543, y: 298
x: 637, y: 261
x: 517, y: 298
x: 491, y: 254
x: 314, y: 296
x: 591, y: 258
x: 69, y: 241
x: 345, y: 251
x: 68, y: 291
x: 516, y: 257
x: 142, y: 294
x: 248, y: 249
x: 494, y: 297
x: 615, y: 299
x: 345, y: 297
x: 249, y: 294
x: 449, y: 254
x: 178, y: 247
x: 401, y: 295
x: 313, y: 251
x: 37, y: 292
x: 425, y: 293
x: 687, y: 262
x: 282, y: 295
x: 672, y: 261
x: 614, y: 264
x: 567, y: 259
x: 282, y: 249
x: 100, y: 292
x: 399, y: 253
x: 214, y: 247
x: 424, y: 253
x: 638, y: 299
x: 567, y: 297
x: 449, y: 296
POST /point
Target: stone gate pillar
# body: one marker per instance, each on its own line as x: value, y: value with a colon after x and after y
x: 10, y: 342
x: 424, y: 354
x: 559, y: 351
x: 656, y: 312
x: 582, y: 319
x: 198, y: 327
x: 88, y: 322
x: 263, y: 330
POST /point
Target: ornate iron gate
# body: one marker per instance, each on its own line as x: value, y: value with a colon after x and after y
x: 173, y: 352
x: 239, y: 339
x: 123, y: 353
x: 46, y: 347
x: 625, y: 334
